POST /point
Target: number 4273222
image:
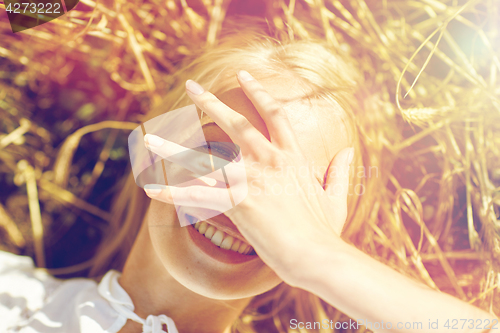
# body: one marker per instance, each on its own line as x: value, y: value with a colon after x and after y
x: 33, y: 8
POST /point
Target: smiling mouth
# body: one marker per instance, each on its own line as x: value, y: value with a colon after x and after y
x: 219, y: 238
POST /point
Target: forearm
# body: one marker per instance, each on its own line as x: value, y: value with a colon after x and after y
x: 368, y: 290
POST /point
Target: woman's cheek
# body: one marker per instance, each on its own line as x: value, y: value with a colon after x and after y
x: 162, y: 214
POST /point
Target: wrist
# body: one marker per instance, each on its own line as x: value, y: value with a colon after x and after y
x: 311, y: 262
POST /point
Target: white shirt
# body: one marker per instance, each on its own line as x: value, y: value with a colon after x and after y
x: 33, y: 301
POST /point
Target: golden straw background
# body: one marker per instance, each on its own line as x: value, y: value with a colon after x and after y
x: 73, y: 88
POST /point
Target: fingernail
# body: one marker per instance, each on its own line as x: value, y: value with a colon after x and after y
x: 350, y: 156
x: 244, y: 76
x: 153, y: 140
x: 194, y: 88
x: 152, y: 190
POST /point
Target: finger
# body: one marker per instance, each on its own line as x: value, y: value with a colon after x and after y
x: 270, y: 110
x: 337, y: 187
x: 337, y: 177
x: 159, y: 192
x: 196, y: 161
x: 192, y: 196
x: 239, y: 129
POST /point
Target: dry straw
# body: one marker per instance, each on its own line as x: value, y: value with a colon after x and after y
x: 435, y: 63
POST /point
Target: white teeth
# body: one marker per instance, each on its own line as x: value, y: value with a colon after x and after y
x: 227, y: 242
x: 217, y: 237
x: 243, y: 248
x: 221, y: 239
x: 210, y: 232
x: 203, y: 227
x: 236, y: 245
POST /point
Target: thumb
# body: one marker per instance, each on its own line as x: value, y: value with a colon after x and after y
x: 337, y: 176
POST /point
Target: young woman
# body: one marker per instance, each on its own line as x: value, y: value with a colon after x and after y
x: 291, y: 107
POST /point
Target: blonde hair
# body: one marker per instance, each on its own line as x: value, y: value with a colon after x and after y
x: 333, y: 77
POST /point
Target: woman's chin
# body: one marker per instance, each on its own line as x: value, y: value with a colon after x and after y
x: 207, y: 276
x: 226, y: 288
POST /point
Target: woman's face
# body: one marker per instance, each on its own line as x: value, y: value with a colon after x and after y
x: 192, y: 258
